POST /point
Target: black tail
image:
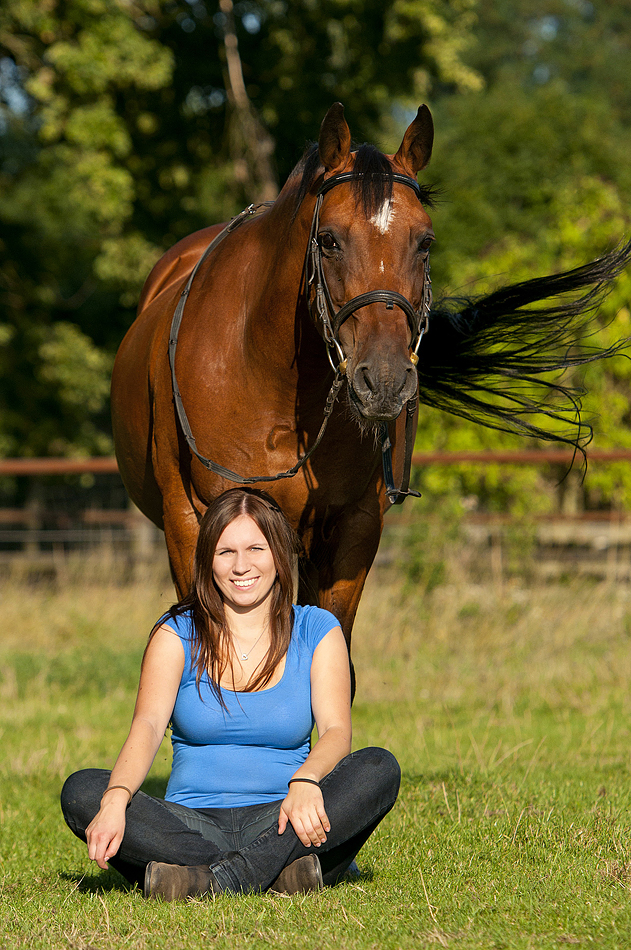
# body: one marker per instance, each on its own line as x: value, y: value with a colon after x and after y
x: 487, y: 358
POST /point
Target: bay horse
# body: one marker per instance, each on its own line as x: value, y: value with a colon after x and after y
x: 328, y: 289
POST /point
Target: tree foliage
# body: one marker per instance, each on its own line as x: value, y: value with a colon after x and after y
x: 120, y: 132
x: 119, y: 135
x: 537, y: 181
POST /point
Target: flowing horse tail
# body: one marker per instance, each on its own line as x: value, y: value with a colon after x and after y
x: 488, y: 358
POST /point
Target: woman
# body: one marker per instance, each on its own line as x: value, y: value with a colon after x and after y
x: 241, y: 674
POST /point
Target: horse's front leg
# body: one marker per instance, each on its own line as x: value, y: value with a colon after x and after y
x: 180, y: 531
x: 182, y: 511
x: 341, y: 554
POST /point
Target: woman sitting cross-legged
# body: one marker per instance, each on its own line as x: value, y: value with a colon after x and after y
x: 241, y: 674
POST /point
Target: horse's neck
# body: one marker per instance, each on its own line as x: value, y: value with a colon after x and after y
x: 286, y: 238
x: 278, y: 321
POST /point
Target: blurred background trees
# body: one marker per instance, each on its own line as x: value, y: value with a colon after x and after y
x: 124, y: 126
x: 536, y: 180
x: 122, y: 129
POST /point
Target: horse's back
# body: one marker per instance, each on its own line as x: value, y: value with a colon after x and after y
x: 176, y: 264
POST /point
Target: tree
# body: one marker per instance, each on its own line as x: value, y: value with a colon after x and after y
x: 536, y: 180
x: 122, y: 130
x: 67, y: 199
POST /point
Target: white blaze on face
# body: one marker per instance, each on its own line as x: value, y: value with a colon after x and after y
x: 383, y: 218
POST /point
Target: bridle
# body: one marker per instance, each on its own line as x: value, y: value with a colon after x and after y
x: 322, y: 309
x: 331, y: 321
x: 319, y: 299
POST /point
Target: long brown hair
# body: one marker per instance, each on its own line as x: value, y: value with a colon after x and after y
x: 211, y: 641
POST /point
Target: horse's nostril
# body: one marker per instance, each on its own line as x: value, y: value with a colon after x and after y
x: 406, y: 380
x: 367, y: 379
x: 370, y: 383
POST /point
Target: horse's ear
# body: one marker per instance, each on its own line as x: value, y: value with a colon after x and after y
x: 416, y: 147
x: 335, y: 139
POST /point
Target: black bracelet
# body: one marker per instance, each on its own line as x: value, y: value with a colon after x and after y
x: 311, y: 781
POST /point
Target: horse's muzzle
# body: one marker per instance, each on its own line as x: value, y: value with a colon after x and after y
x: 378, y: 394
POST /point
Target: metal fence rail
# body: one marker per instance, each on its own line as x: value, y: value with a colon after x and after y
x: 59, y: 466
x: 55, y: 526
x: 108, y: 464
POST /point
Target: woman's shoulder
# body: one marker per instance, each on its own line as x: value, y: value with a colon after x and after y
x: 311, y: 624
x: 181, y: 623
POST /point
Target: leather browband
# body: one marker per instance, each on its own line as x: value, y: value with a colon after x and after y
x: 395, y: 178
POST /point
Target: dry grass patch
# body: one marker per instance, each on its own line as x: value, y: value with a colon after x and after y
x: 507, y: 707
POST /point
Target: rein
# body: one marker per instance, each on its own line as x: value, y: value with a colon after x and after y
x: 179, y: 405
x: 331, y: 321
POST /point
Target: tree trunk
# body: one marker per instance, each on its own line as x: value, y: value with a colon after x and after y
x: 251, y: 145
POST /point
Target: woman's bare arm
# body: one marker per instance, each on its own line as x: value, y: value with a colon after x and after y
x: 160, y: 677
x: 331, y: 704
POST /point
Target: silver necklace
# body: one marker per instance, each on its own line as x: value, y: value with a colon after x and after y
x: 244, y: 656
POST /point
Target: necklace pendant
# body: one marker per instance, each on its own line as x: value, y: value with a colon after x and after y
x: 244, y: 656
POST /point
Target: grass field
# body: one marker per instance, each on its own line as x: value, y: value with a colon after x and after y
x: 508, y: 709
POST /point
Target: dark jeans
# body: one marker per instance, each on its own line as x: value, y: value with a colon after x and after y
x: 242, y: 845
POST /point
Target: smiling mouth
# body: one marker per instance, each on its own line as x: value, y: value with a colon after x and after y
x: 244, y: 584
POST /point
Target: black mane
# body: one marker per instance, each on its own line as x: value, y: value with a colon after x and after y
x: 372, y: 177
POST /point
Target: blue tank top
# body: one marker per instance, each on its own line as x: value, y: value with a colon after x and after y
x: 245, y: 754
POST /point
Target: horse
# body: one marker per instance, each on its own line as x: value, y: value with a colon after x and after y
x: 287, y: 344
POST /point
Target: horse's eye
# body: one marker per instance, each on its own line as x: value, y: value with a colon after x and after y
x: 425, y: 244
x: 327, y: 241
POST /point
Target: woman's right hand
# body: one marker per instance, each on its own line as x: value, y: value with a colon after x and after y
x: 160, y: 677
x: 105, y: 832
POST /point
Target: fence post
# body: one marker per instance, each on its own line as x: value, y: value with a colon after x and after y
x: 33, y: 509
x: 142, y: 541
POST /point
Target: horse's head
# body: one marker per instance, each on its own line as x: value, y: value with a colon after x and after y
x: 368, y: 263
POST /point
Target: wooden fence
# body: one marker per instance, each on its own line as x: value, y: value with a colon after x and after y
x: 595, y: 542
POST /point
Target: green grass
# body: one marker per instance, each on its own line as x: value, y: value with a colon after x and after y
x: 507, y: 708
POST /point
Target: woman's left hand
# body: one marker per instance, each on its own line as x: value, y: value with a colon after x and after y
x: 304, y: 808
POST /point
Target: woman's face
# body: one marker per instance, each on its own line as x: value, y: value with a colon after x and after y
x: 243, y: 565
